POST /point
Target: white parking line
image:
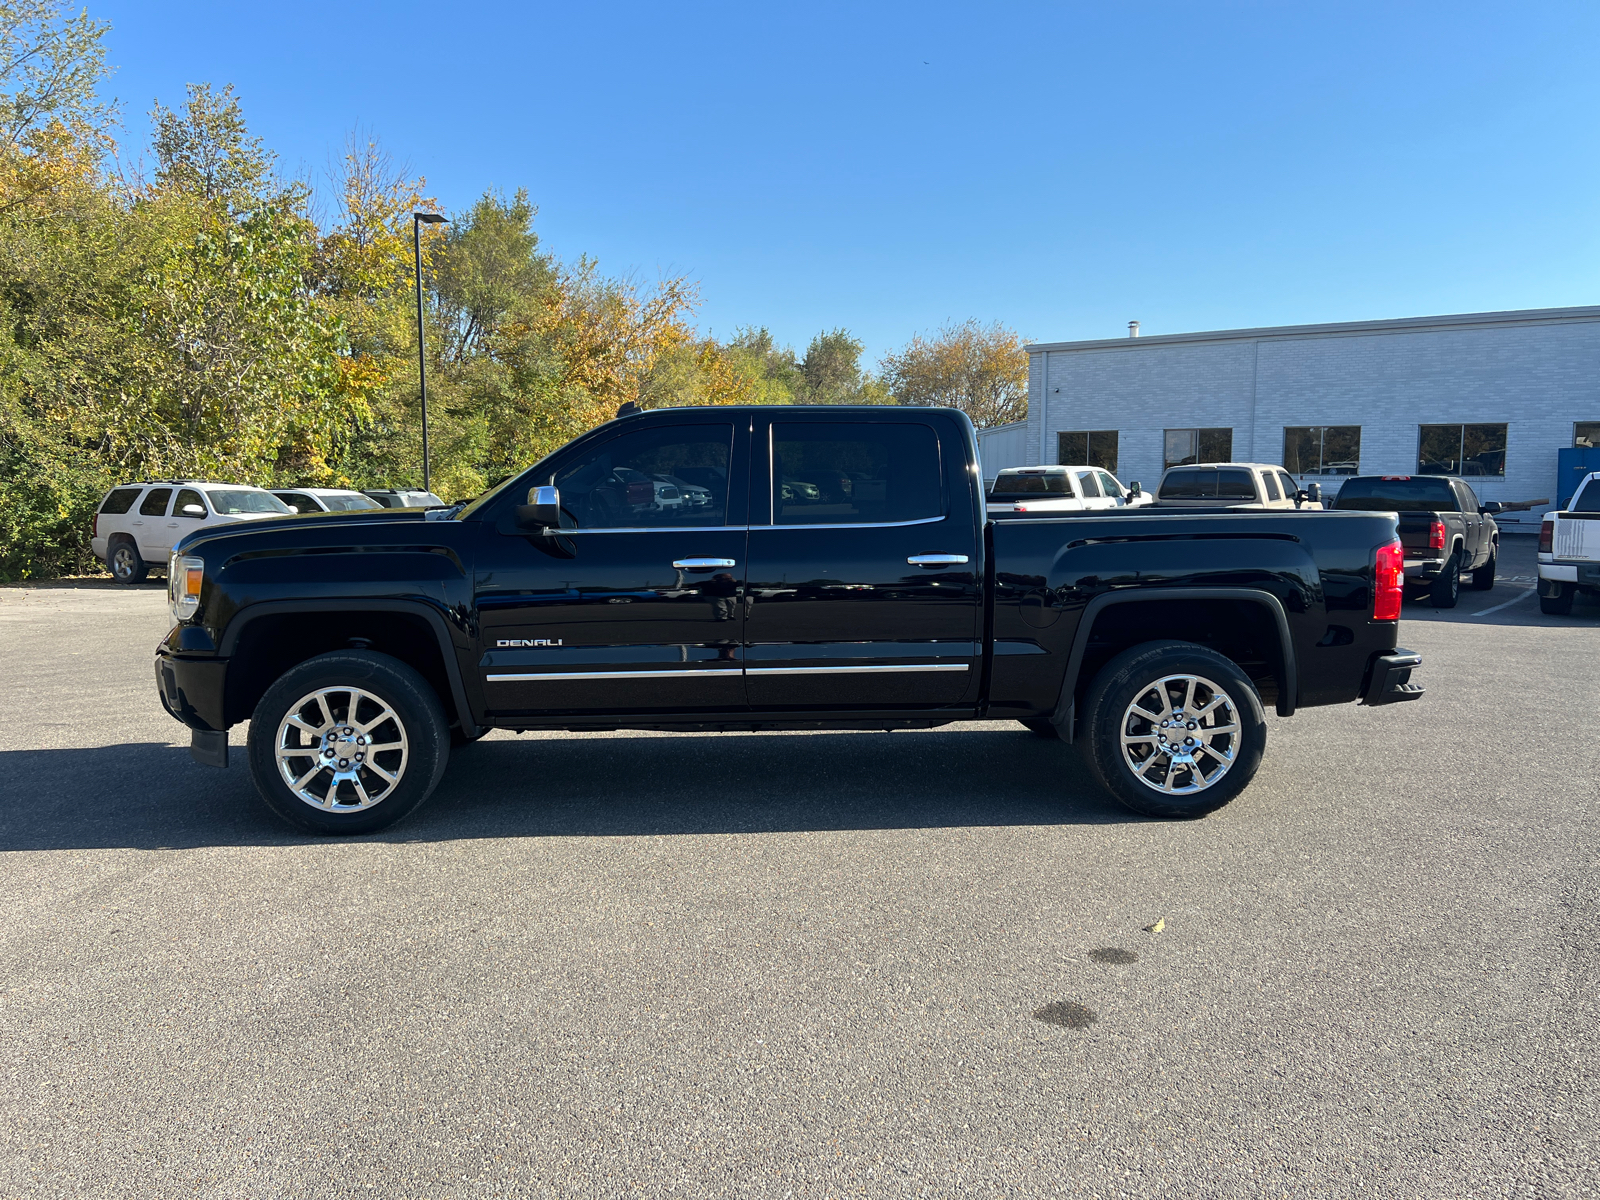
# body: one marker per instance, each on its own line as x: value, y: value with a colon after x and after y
x: 1507, y: 604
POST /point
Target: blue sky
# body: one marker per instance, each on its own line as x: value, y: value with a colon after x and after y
x: 891, y: 168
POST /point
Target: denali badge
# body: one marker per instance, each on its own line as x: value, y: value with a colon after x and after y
x: 528, y: 642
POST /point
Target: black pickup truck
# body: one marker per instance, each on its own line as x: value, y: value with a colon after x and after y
x: 769, y: 568
x: 1444, y: 529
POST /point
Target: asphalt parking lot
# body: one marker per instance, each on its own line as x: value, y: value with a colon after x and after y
x: 809, y: 964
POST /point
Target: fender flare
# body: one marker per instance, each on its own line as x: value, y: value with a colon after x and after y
x: 441, y: 633
x: 1288, y: 684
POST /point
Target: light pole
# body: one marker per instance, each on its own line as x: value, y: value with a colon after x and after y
x: 418, y: 220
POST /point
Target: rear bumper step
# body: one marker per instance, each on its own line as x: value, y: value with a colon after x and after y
x: 1391, y: 678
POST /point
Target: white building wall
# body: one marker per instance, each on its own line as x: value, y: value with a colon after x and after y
x: 1537, y: 377
x: 1002, y: 446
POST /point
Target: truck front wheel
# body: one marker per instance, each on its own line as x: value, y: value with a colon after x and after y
x: 348, y: 742
x: 1173, y: 729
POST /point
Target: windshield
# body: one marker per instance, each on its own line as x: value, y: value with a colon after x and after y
x: 1409, y: 493
x: 233, y: 501
x: 1055, y: 483
x: 350, y: 503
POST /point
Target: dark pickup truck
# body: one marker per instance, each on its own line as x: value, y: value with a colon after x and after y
x: 769, y: 568
x: 1446, y: 532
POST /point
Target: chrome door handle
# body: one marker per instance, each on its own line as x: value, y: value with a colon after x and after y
x: 701, y: 564
x: 936, y: 560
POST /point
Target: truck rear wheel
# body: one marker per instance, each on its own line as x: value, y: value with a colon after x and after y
x: 348, y: 742
x: 126, y: 563
x: 1173, y: 729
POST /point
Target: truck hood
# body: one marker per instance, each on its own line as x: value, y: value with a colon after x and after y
x: 246, y: 524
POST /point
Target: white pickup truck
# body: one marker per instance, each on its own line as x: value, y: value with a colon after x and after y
x: 1061, y: 488
x: 1569, y: 549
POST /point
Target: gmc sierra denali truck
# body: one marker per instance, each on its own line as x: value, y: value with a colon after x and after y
x: 769, y: 568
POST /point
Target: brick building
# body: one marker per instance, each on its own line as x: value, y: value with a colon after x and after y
x: 1491, y: 396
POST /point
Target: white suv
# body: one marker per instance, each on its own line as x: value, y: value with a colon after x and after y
x: 310, y: 500
x: 138, y: 524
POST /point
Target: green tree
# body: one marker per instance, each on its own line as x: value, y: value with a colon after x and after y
x: 980, y: 369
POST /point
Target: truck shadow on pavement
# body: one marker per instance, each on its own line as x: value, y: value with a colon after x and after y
x: 152, y: 796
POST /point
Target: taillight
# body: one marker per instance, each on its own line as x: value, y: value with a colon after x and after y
x: 1388, y: 582
x: 1436, y: 536
x: 1547, y: 536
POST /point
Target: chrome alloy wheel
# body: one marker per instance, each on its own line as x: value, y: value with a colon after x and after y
x: 341, y: 749
x: 123, y: 562
x: 1180, y: 735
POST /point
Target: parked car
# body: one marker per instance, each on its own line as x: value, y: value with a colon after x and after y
x: 1152, y: 639
x: 1235, y: 485
x: 1569, y: 549
x: 1445, y: 529
x: 1061, y: 488
x: 404, y: 498
x: 137, y: 524
x: 310, y: 500
x: 694, y: 496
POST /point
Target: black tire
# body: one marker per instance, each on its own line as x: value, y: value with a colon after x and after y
x: 1483, y: 577
x: 124, y: 561
x: 1446, y: 589
x: 1559, y: 605
x: 1041, y: 727
x: 413, y: 709
x: 1134, y: 675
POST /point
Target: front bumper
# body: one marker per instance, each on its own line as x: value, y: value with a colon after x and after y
x: 191, y: 690
x: 1391, y: 678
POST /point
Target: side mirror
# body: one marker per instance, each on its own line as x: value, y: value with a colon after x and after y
x: 541, y: 512
x: 1313, y: 493
x: 194, y: 510
x: 1491, y: 508
x: 1134, y: 491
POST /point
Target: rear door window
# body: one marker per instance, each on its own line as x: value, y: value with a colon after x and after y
x: 155, y: 504
x: 1091, y: 488
x: 1235, y: 484
x: 119, y: 501
x: 1270, y: 481
x: 862, y: 473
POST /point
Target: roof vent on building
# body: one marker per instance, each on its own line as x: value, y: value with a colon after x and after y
x: 1133, y: 329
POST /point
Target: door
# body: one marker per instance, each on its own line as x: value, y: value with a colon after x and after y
x: 1088, y: 486
x: 150, y: 525
x: 635, y: 607
x: 184, y: 519
x: 863, y: 585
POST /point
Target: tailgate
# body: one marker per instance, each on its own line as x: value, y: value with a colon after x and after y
x: 1415, y: 531
x: 1577, y: 536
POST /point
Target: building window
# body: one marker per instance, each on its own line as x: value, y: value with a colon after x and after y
x: 1088, y: 448
x: 1322, y: 449
x: 1586, y: 434
x: 1185, y: 446
x: 1468, y: 450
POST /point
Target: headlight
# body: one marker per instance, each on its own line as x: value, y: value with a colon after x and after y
x: 184, y: 573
